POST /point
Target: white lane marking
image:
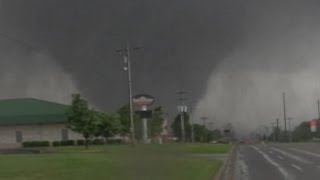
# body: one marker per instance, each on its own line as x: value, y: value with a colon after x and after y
x: 292, y: 156
x: 272, y: 162
x: 306, y: 152
x: 297, y: 167
x: 280, y: 157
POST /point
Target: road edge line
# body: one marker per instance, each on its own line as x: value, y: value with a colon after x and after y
x: 226, y: 165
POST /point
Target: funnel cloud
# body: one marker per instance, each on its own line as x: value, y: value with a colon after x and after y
x: 279, y: 54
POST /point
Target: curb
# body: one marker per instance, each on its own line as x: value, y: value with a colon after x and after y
x: 224, y: 171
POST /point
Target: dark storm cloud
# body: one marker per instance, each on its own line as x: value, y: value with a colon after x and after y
x: 182, y: 42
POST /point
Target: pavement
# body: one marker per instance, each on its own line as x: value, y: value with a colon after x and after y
x: 295, y: 161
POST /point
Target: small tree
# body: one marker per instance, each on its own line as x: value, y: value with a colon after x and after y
x: 157, y: 121
x: 108, y: 125
x: 200, y: 133
x: 81, y: 119
x: 176, y: 126
x: 124, y: 119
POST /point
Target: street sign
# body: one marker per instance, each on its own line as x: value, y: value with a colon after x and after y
x: 313, y: 125
x: 142, y: 100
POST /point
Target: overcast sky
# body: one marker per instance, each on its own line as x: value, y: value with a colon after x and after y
x: 216, y: 49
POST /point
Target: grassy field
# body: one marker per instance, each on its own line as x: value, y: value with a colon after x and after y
x: 122, y: 162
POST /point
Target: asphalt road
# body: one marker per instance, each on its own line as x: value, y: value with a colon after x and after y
x: 277, y: 162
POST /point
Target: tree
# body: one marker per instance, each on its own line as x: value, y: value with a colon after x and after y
x: 157, y: 121
x: 200, y: 133
x: 302, y: 132
x: 124, y: 118
x: 176, y: 126
x: 81, y: 119
x: 108, y: 124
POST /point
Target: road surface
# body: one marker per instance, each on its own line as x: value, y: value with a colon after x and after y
x: 299, y: 161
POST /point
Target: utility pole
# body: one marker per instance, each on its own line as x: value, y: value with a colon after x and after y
x: 182, y: 109
x: 289, y: 127
x: 274, y: 132
x: 318, y: 102
x: 192, y: 123
x: 204, y: 119
x: 210, y: 126
x: 126, y: 55
x: 277, y: 130
x: 284, y: 115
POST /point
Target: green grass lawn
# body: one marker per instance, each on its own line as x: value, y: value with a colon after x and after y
x: 122, y: 162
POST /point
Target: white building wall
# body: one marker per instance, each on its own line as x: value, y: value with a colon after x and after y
x: 44, y: 132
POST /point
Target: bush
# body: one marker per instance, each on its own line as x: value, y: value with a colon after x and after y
x: 67, y: 143
x: 80, y: 142
x: 56, y: 143
x: 114, y: 141
x: 36, y: 144
x: 98, y: 141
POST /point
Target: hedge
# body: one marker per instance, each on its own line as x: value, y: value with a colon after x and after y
x: 98, y: 142
x: 36, y: 144
x: 63, y: 143
x: 114, y: 141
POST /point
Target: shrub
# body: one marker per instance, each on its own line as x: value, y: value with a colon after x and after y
x: 67, y: 143
x: 98, y: 141
x: 114, y: 141
x: 56, y: 143
x: 36, y: 144
x: 80, y: 142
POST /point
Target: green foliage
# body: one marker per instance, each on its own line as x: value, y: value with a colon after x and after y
x: 302, y: 132
x: 56, y: 143
x: 124, y: 118
x: 108, y: 124
x: 80, y: 142
x: 63, y: 143
x: 200, y: 133
x: 36, y: 144
x: 176, y: 126
x: 157, y: 121
x: 98, y: 141
x: 114, y: 141
x: 81, y: 119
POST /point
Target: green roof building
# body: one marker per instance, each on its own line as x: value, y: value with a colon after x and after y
x: 29, y: 119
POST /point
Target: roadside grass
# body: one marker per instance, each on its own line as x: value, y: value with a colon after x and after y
x: 115, y: 162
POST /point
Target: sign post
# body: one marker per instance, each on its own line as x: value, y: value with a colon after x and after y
x: 143, y: 101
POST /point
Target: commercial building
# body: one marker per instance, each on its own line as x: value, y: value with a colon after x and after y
x: 31, y: 119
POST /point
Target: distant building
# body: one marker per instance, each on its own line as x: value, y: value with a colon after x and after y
x: 33, y: 120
